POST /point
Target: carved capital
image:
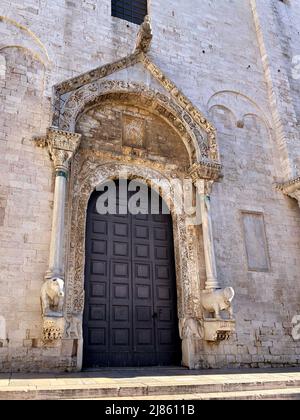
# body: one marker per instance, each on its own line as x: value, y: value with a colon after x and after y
x: 144, y: 36
x: 291, y: 188
x: 62, y: 146
x: 205, y: 171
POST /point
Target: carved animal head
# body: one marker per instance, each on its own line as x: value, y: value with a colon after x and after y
x: 229, y: 294
x: 57, y: 287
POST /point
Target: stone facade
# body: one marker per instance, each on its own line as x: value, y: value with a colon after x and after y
x: 214, y: 86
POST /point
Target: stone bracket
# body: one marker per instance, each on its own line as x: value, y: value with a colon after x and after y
x: 216, y: 330
x: 53, y: 331
x: 205, y: 171
x: 290, y: 188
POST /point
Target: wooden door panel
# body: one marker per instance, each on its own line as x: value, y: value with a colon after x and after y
x: 130, y: 316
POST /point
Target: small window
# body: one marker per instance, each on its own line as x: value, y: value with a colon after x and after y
x: 131, y: 10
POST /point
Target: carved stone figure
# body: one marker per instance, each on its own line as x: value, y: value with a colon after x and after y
x: 190, y: 328
x: 74, y: 328
x: 52, y: 297
x: 214, y: 302
x: 145, y: 36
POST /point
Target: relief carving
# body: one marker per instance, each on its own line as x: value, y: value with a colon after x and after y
x: 74, y: 327
x: 92, y: 174
x: 62, y: 146
x: 214, y: 302
x: 90, y: 168
x: 84, y: 90
x: 133, y: 132
x: 52, y: 297
x: 190, y: 328
x: 52, y: 331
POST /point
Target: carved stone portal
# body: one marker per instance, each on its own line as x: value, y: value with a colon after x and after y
x: 92, y: 167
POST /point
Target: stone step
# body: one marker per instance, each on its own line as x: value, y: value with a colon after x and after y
x: 273, y: 394
x: 184, y: 389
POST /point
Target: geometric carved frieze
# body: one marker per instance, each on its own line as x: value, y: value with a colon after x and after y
x: 205, y: 170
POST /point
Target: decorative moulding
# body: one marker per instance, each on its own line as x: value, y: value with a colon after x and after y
x: 290, y: 188
x: 218, y: 329
x: 72, y: 88
x: 62, y: 145
x: 53, y: 331
x: 205, y: 170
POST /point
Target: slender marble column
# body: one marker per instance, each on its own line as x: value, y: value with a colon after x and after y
x: 62, y: 147
x: 203, y: 191
x: 56, y: 260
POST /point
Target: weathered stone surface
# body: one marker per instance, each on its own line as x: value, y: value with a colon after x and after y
x: 226, y: 64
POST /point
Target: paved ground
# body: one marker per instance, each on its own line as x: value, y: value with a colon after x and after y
x: 137, y: 382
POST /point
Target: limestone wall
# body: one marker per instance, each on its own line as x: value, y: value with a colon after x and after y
x: 213, y: 52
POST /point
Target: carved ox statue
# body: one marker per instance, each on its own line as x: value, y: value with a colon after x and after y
x: 52, y: 297
x: 214, y: 302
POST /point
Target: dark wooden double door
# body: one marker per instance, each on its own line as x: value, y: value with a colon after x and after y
x: 130, y: 316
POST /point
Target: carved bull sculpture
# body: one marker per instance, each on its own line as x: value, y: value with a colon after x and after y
x: 52, y: 297
x: 216, y: 301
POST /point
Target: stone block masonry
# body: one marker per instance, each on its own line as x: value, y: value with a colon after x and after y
x: 233, y: 61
